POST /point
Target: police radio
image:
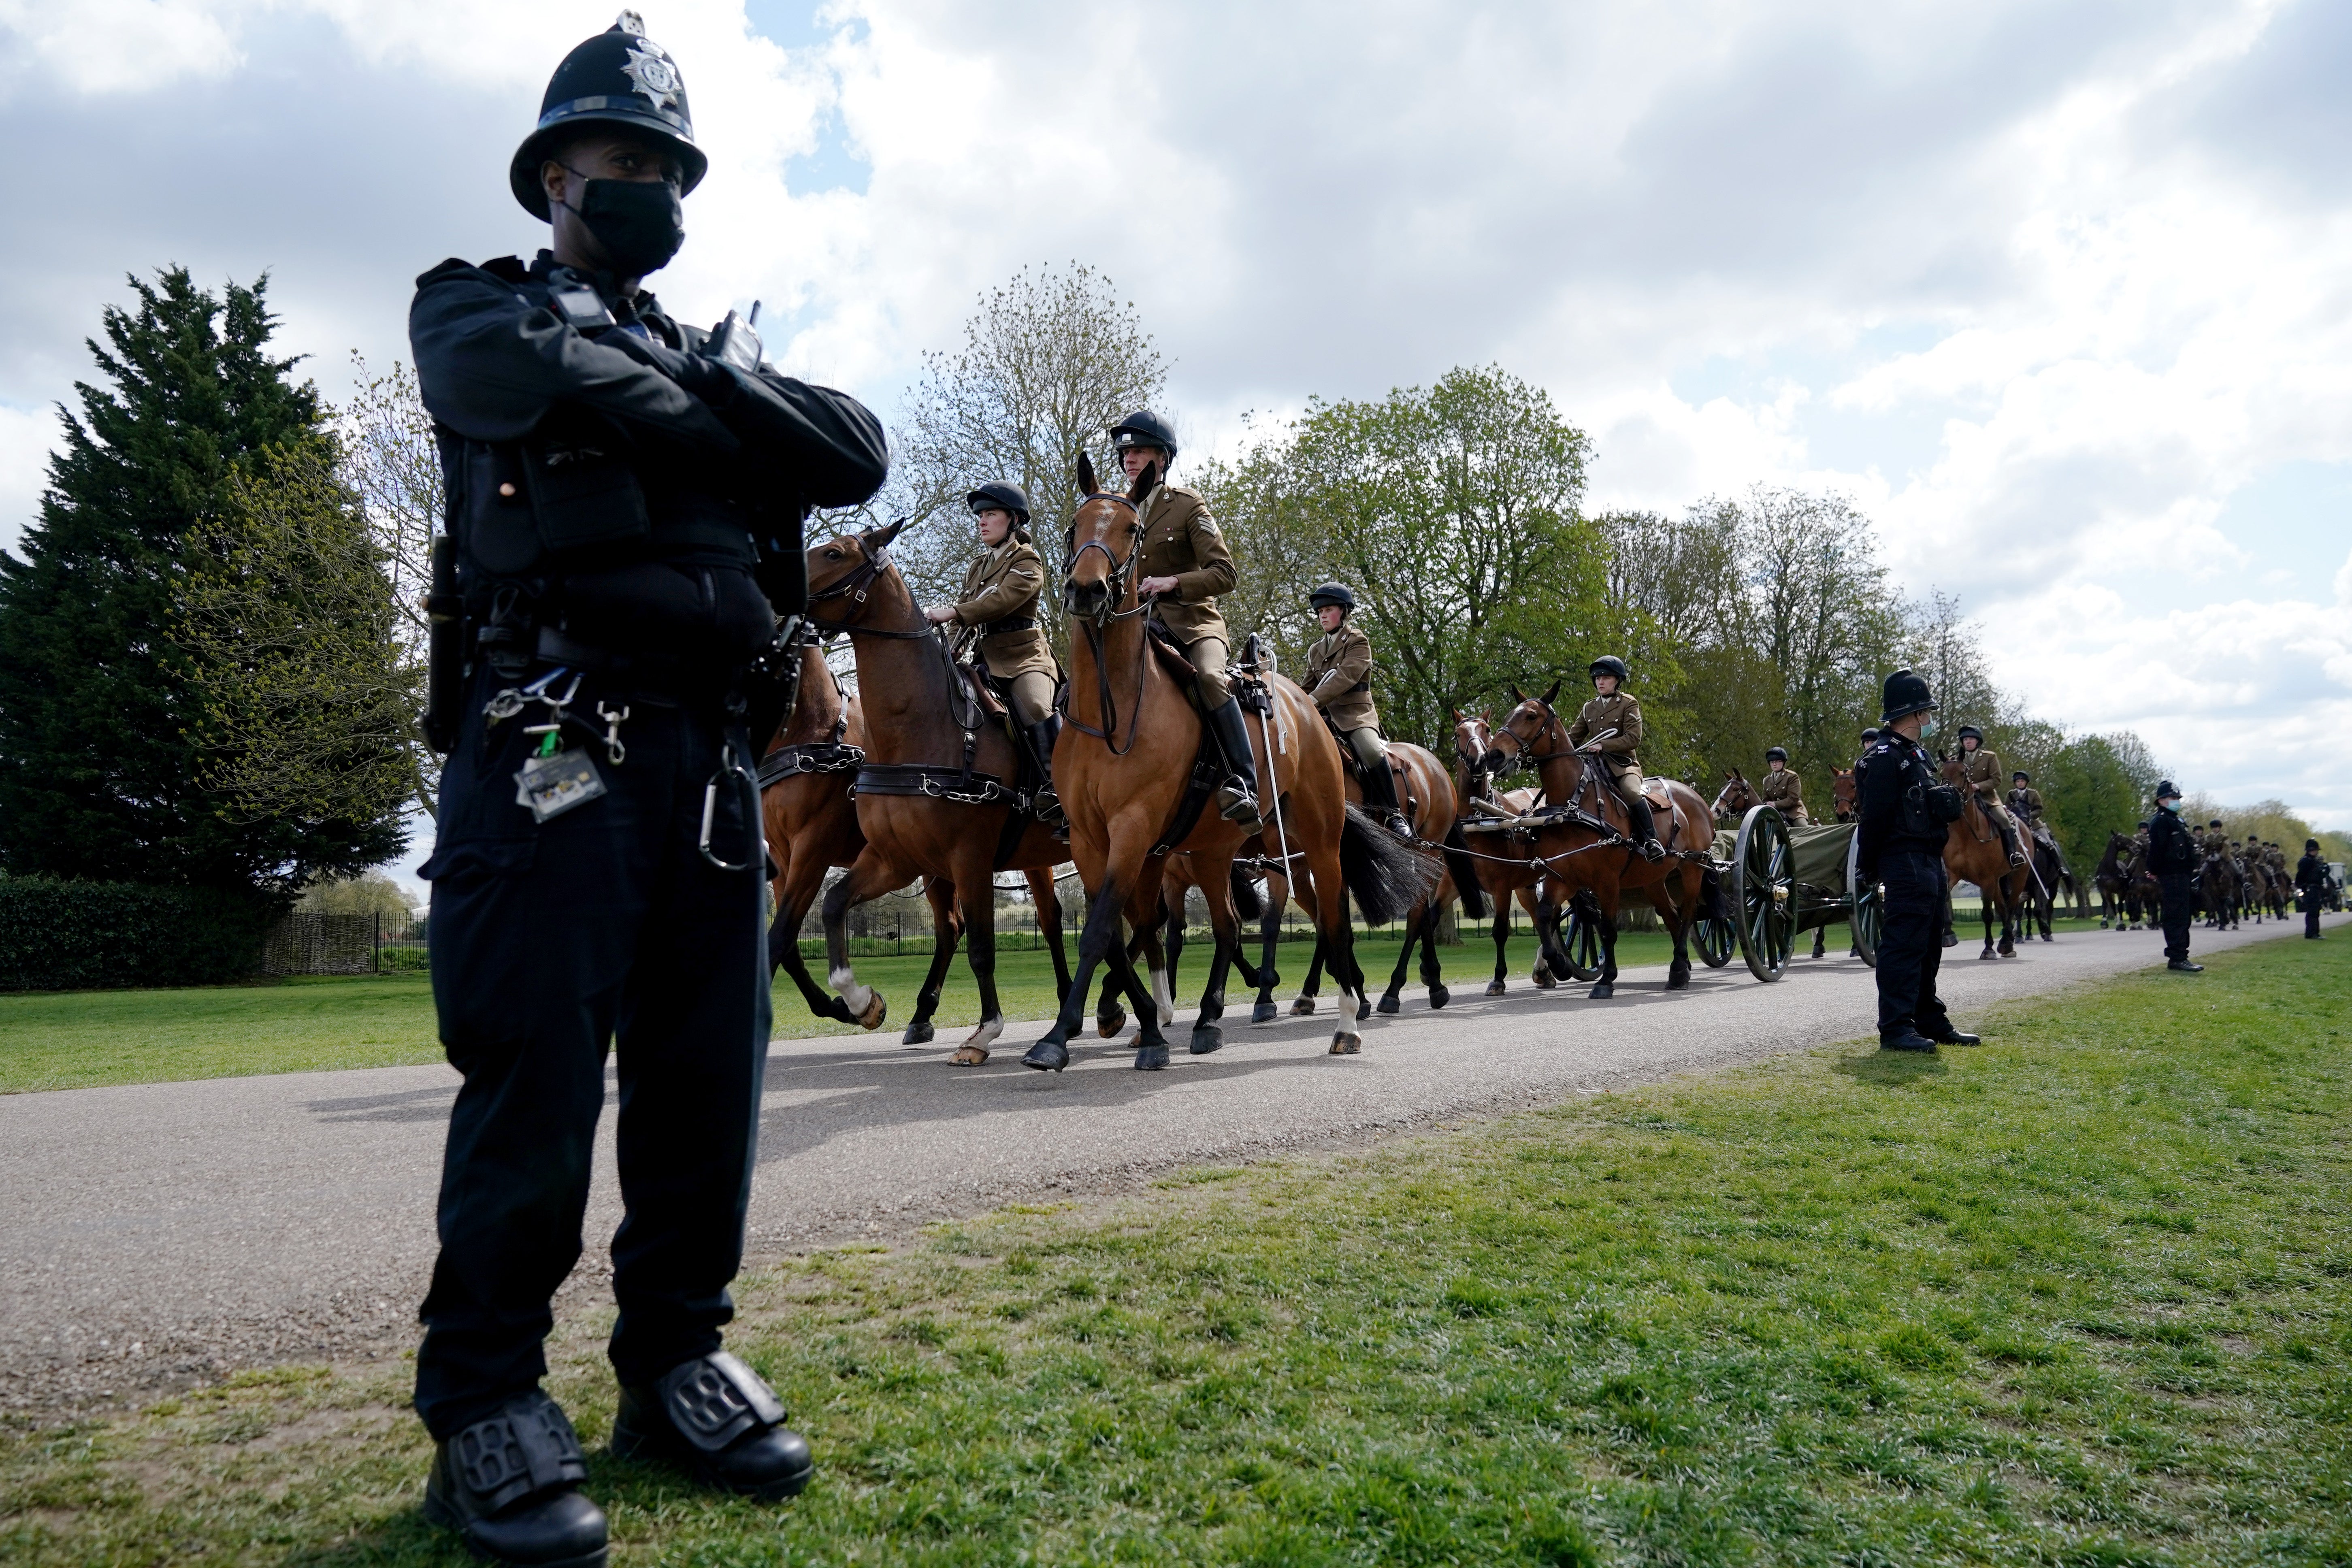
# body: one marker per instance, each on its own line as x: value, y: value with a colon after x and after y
x: 734, y: 342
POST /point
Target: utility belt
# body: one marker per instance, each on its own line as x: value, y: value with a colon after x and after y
x: 1010, y: 624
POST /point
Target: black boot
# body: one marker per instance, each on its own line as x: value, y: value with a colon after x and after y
x: 1645, y: 828
x: 716, y: 1419
x: 1045, y: 803
x: 2008, y: 841
x: 1237, y: 800
x: 510, y: 1485
x: 1379, y: 794
x: 1906, y: 1038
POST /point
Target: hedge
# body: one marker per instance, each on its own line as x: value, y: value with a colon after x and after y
x: 57, y: 935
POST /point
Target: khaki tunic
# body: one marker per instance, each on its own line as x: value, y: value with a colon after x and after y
x: 1985, y: 777
x: 1339, y: 673
x: 1003, y: 584
x: 1785, y: 790
x: 1180, y: 541
x: 2026, y: 802
x: 1621, y: 752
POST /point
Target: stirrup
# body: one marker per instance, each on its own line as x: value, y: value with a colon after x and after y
x: 1235, y: 803
x: 1654, y: 852
x: 1397, y: 825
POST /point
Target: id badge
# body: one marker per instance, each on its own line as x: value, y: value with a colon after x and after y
x: 552, y: 785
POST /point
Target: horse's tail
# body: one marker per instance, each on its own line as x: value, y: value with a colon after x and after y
x: 1386, y: 875
x: 1466, y: 874
x: 1246, y: 903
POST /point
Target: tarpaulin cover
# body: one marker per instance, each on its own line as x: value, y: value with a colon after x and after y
x: 1819, y: 853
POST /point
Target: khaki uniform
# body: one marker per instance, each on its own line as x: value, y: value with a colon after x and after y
x: 1002, y: 585
x: 1985, y: 777
x: 1338, y: 678
x: 1180, y: 541
x: 1785, y: 790
x: 2025, y: 802
x: 1621, y: 752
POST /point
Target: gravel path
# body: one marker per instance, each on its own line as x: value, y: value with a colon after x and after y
x: 157, y: 1235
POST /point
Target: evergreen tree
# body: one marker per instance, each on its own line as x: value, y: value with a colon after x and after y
x: 104, y: 738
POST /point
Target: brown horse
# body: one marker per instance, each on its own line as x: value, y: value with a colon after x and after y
x: 933, y: 795
x: 1502, y: 877
x: 1845, y: 794
x: 1736, y: 799
x: 1584, y: 845
x: 1129, y: 769
x: 1973, y: 853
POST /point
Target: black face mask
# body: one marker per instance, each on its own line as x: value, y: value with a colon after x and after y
x: 640, y: 223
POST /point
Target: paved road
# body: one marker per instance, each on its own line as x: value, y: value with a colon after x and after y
x: 157, y: 1235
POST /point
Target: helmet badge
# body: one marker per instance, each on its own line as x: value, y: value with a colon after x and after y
x: 651, y: 71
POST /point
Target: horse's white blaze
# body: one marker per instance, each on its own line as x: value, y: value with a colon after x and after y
x: 845, y: 979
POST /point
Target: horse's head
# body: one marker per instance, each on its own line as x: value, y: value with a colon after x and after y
x: 1105, y: 533
x: 848, y: 567
x: 1845, y: 795
x: 1736, y: 796
x: 1474, y: 737
x: 1531, y: 730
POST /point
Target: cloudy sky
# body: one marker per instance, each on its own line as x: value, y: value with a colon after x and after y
x: 2060, y: 291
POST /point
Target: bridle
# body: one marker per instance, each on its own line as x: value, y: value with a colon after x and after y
x: 964, y: 709
x: 1094, y: 626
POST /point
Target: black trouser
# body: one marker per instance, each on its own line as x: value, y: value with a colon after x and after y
x: 2310, y: 911
x: 547, y: 940
x: 1911, y: 943
x: 2179, y: 909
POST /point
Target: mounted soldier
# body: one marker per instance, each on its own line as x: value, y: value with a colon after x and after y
x: 1185, y: 566
x: 1983, y: 771
x: 1781, y: 788
x: 998, y: 605
x: 1611, y: 726
x: 1340, y: 681
x: 2024, y: 800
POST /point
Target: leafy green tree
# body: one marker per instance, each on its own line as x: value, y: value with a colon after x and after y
x: 2093, y: 785
x: 104, y: 735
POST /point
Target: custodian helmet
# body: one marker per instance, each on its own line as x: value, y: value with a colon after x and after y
x: 1904, y: 693
x: 1144, y: 428
x: 1331, y: 593
x: 619, y: 78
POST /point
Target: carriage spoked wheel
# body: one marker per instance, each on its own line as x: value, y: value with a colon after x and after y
x: 1867, y: 912
x: 1715, y: 937
x: 1579, y: 936
x: 1764, y: 887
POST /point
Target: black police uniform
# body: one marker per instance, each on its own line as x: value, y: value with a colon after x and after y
x: 2172, y: 855
x: 626, y: 513
x: 2311, y: 882
x: 1901, y: 845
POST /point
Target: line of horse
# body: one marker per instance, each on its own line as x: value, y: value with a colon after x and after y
x: 913, y: 779
x: 2228, y: 886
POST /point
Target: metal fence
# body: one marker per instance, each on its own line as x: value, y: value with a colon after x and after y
x: 306, y: 942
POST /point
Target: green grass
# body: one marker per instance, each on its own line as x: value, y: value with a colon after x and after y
x: 2078, y: 1298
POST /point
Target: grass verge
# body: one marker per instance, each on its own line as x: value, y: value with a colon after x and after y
x: 2076, y: 1298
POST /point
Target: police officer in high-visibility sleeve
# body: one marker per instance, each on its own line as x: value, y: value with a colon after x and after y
x: 1905, y: 816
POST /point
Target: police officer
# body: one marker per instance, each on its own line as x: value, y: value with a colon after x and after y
x: 625, y: 497
x: 2173, y: 856
x: 2311, y: 883
x: 1900, y: 846
x: 1185, y: 566
x: 999, y: 604
x: 1781, y: 788
x: 1983, y: 771
x: 1615, y: 717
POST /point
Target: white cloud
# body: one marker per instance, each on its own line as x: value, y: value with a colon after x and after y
x: 113, y: 46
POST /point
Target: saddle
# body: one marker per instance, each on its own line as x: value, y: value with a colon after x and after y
x: 1172, y: 659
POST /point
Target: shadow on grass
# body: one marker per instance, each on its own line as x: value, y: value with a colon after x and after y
x: 1891, y: 1070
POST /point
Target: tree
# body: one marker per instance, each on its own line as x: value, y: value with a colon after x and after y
x: 2093, y: 785
x: 1452, y: 513
x: 1278, y: 553
x: 103, y: 736
x: 1050, y: 361
x: 289, y: 620
x: 391, y: 465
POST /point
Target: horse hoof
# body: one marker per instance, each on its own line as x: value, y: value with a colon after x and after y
x: 1048, y: 1056
x: 2047, y: 937
x: 1302, y: 1007
x: 1151, y: 1059
x: 1347, y: 1043
x: 876, y: 1011
x: 1207, y: 1038
x: 1389, y: 1002
x: 1496, y: 988
x: 919, y: 1033
x: 1363, y: 1009
x: 1439, y: 996
x: 970, y: 1056
x: 1679, y: 977
x: 1109, y: 1025
x: 1951, y: 941
x: 1988, y: 953
x: 1544, y: 982
x: 1602, y: 993
x: 1265, y: 1013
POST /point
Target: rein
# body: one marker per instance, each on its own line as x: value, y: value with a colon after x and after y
x: 964, y: 711
x: 1095, y: 628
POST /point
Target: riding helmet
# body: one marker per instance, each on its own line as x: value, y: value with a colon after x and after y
x: 1610, y: 663
x: 1904, y: 693
x: 1144, y: 428
x: 1777, y: 754
x: 998, y: 496
x: 1869, y: 737
x: 2020, y: 776
x: 1331, y: 593
x: 1965, y: 730
x: 618, y: 78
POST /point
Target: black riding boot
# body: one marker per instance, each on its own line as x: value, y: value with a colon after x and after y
x: 1645, y: 829
x: 510, y: 1485
x: 2009, y: 840
x: 1237, y: 800
x: 1379, y: 794
x: 1045, y: 803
